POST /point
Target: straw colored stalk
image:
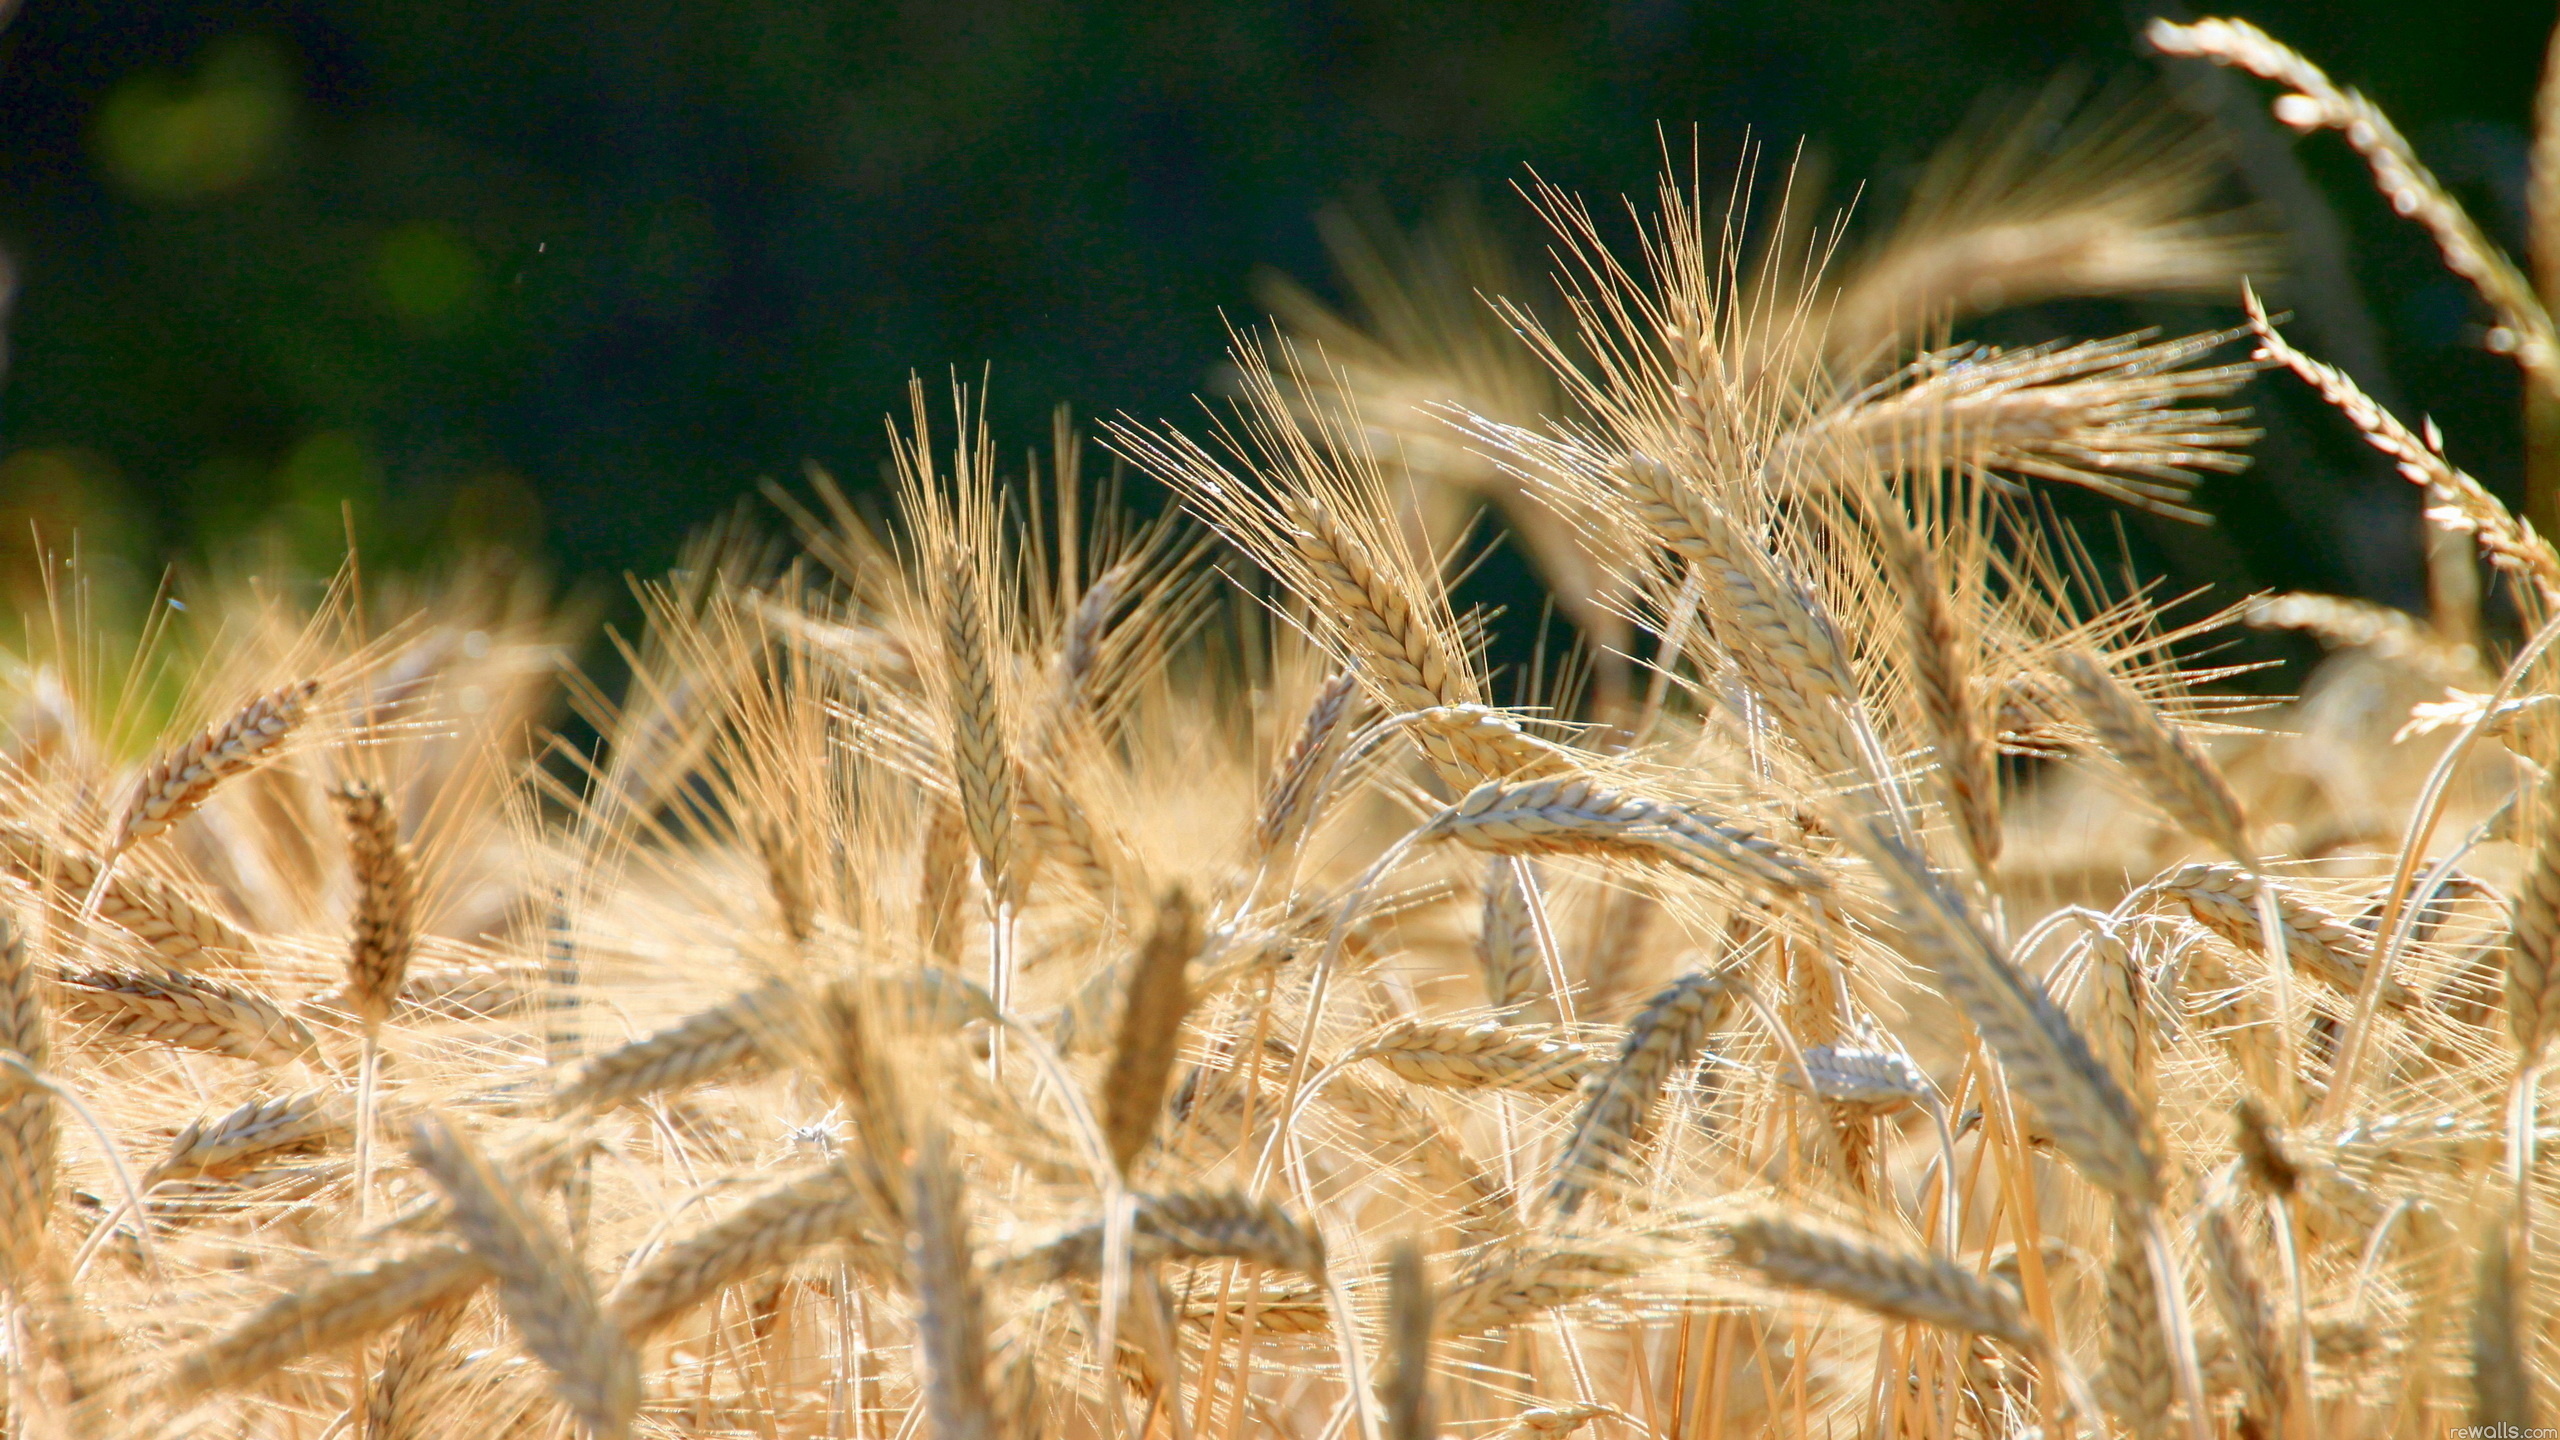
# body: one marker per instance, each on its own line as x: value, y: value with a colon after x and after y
x: 980, y: 760
x: 385, y: 924
x: 1186, y: 1225
x: 192, y: 1012
x: 175, y: 784
x: 229, y: 1144
x: 544, y: 1291
x: 1577, y: 815
x: 2225, y: 899
x: 2317, y: 103
x: 1619, y: 1103
x: 770, y: 1231
x: 28, y: 1143
x: 723, y: 1042
x: 2091, y: 1118
x: 1479, y: 1057
x: 1150, y: 1030
x: 1861, y: 1270
x: 157, y: 913
x: 1942, y: 665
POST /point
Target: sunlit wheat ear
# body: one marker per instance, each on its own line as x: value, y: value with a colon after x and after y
x: 1509, y: 954
x: 1186, y: 1225
x: 1576, y: 815
x: 399, y: 1404
x: 943, y: 886
x: 180, y: 928
x: 2117, y: 1006
x: 1942, y: 669
x: 1869, y: 1079
x: 192, y: 1012
x: 2502, y: 1385
x: 1618, y: 1102
x: 1287, y: 799
x: 2175, y: 775
x: 336, y: 1307
x: 2315, y: 102
x: 1053, y: 827
x: 1150, y: 1030
x: 545, y: 1292
x: 2533, y: 959
x: 2242, y: 1302
x: 1515, y: 1284
x: 2454, y: 499
x: 981, y: 759
x: 2138, y: 1383
x: 2093, y: 1121
x: 385, y: 924
x: 1406, y: 1393
x: 228, y: 1144
x: 1479, y: 1057
x: 1295, y: 1308
x: 726, y: 1040
x: 776, y: 1227
x: 2383, y: 631
x: 175, y: 784
x: 28, y: 1144
x: 1874, y: 1276
x: 951, y: 1322
x: 2225, y: 899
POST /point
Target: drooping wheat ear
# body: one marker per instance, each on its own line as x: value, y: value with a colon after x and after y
x: 1158, y: 997
x: 2265, y: 1157
x: 726, y: 1040
x: 2454, y: 499
x: 2176, y: 775
x: 1057, y: 828
x: 1287, y: 799
x: 1868, y: 1079
x: 1297, y: 1308
x: 541, y: 1286
x: 981, y: 761
x: 2225, y: 899
x: 2093, y: 1121
x: 2315, y: 102
x: 1514, y: 1284
x: 944, y: 888
x: 1480, y: 1057
x: 786, y: 879
x: 151, y: 910
x: 1942, y: 667
x: 192, y: 1012
x: 1866, y: 1272
x: 2533, y: 959
x: 226, y: 1145
x: 1186, y: 1225
x: 339, y: 1305
x: 951, y: 1325
x: 2117, y: 1016
x: 1618, y: 1104
x: 1508, y: 951
x: 2138, y: 1383
x: 2502, y: 1387
x: 815, y: 1208
x: 1577, y: 815
x: 176, y: 783
x: 27, y: 1123
x: 1790, y: 652
x: 2382, y: 631
x: 1406, y: 1393
x: 2245, y: 1311
x: 398, y: 1406
x: 385, y: 923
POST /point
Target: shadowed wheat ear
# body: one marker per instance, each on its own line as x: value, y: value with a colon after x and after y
x: 766, y: 1233
x: 1509, y: 954
x: 2225, y: 899
x: 1618, y: 1104
x: 2502, y: 1386
x: 1873, y: 1276
x: 1517, y: 1283
x: 28, y: 1144
x: 175, y: 784
x: 181, y: 929
x: 2093, y: 1121
x: 1942, y: 669
x: 398, y: 1406
x: 1158, y: 997
x: 2138, y: 1382
x: 1288, y: 799
x: 2242, y: 1301
x: 541, y: 1286
x: 2176, y: 776
x: 1577, y: 815
x: 192, y: 1012
x: 2533, y: 959
x: 1479, y: 1057
x: 1186, y: 1226
x: 981, y: 761
x: 951, y: 1324
x: 1406, y: 1394
x: 726, y: 1040
x: 337, y: 1306
x: 385, y: 924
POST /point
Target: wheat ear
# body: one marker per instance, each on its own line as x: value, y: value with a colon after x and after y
x: 1411, y: 1319
x: 1577, y: 815
x: 2138, y: 1383
x: 2533, y: 959
x: 385, y: 923
x: 1509, y: 953
x: 28, y: 1144
x: 1618, y: 1106
x: 1479, y: 1057
x: 2251, y: 1321
x: 981, y: 762
x: 1932, y: 1289
x: 2502, y: 1386
x: 396, y: 1406
x: 1187, y: 1226
x: 764, y: 1234
x: 1942, y: 667
x: 951, y: 1327
x: 2177, y: 777
x: 2225, y: 899
x: 724, y: 1041
x: 336, y: 1306
x: 1291, y: 792
x: 228, y: 1144
x: 159, y: 914
x: 2093, y: 1120
x: 192, y: 1012
x: 1158, y: 997
x: 541, y: 1286
x: 175, y: 784
x: 1514, y: 1284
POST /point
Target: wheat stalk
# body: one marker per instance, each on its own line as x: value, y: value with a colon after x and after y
x: 1515, y: 1284
x: 981, y: 762
x: 1290, y: 794
x: 398, y: 1406
x: 176, y: 783
x: 1411, y: 1307
x: 1185, y: 1225
x: 2533, y: 959
x: 951, y: 1335
x: 2251, y: 1321
x: 2138, y: 1383
x: 1942, y: 665
x: 337, y: 1306
x: 28, y: 1143
x: 2177, y: 777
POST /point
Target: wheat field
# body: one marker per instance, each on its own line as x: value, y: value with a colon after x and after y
x: 1012, y: 969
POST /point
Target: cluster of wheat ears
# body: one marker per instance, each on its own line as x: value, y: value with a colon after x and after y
x: 1008, y: 970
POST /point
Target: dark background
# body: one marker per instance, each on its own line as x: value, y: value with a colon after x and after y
x: 573, y: 275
